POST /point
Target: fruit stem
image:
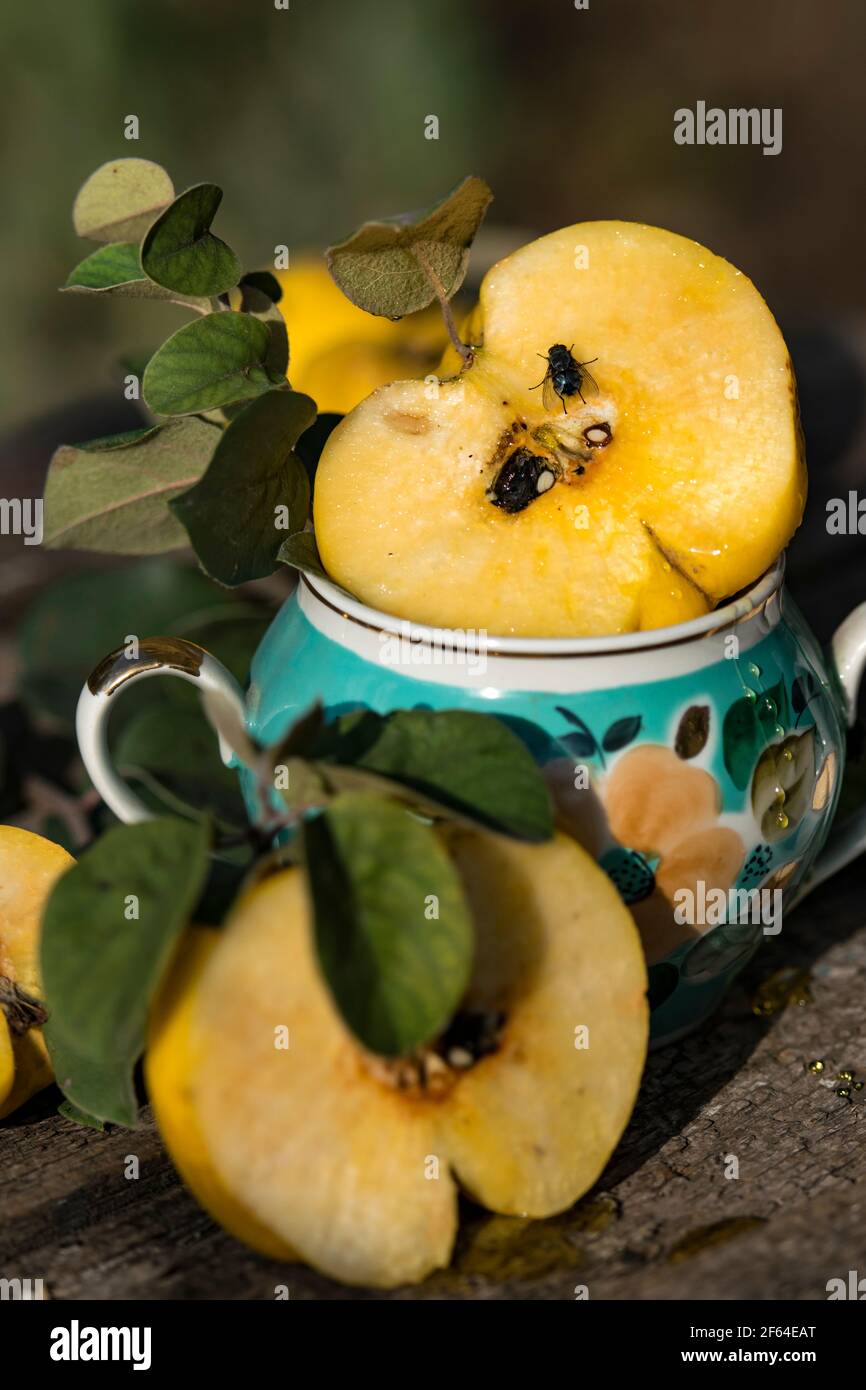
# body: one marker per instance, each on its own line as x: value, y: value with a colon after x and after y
x: 444, y: 304
x: 21, y: 1009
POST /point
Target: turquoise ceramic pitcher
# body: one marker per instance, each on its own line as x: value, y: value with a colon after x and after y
x: 700, y: 764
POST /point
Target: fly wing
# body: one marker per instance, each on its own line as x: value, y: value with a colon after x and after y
x: 550, y: 396
x: 588, y: 383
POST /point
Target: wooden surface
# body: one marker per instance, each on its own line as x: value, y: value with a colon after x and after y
x: 794, y: 1218
x: 665, y: 1221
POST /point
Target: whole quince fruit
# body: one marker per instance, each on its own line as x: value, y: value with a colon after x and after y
x: 352, y: 1159
x: 29, y: 867
x: 622, y: 452
x: 339, y: 353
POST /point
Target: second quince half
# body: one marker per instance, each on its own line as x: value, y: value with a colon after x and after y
x: 350, y: 1161
x: 622, y: 452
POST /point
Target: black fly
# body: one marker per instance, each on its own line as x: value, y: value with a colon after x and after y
x: 564, y: 377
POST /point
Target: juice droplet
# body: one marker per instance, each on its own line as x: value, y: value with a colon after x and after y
x: 749, y: 693
x: 779, y: 796
x: 817, y: 1066
x: 787, y: 755
x: 753, y: 670
x: 780, y: 733
x: 768, y: 707
x: 845, y: 1075
x: 784, y: 987
x: 844, y: 1092
x: 782, y: 821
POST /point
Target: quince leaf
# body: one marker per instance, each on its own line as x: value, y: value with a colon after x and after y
x: 116, y: 270
x: 301, y: 552
x: 112, y: 496
x: 108, y: 933
x: 120, y: 200
x: 396, y: 976
x: 458, y: 763
x: 261, y: 282
x: 208, y: 363
x: 401, y: 264
x: 231, y: 514
x: 181, y: 253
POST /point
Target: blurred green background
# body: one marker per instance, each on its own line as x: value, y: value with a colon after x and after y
x: 313, y: 118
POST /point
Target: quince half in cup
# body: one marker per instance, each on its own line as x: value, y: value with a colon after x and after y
x: 29, y: 867
x: 622, y: 452
x: 353, y: 1160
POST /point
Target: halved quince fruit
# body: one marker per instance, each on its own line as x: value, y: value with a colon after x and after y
x: 171, y: 1055
x: 352, y: 1158
x: 575, y: 505
x: 29, y: 868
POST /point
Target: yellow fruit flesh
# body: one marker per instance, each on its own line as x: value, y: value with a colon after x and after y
x: 339, y: 353
x: 171, y: 1055
x: 29, y: 868
x: 7, y: 1060
x: 530, y: 1128
x: 699, y: 489
x: 355, y: 1173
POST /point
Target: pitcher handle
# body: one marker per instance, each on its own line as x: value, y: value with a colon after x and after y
x: 156, y: 656
x: 848, y: 661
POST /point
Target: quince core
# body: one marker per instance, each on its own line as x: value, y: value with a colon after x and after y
x: 487, y: 501
x: 352, y: 1159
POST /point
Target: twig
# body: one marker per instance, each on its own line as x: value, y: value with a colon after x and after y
x: 444, y: 303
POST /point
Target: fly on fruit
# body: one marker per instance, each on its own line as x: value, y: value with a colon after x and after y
x: 565, y: 377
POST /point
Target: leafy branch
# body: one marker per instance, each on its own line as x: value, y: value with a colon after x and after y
x: 222, y: 448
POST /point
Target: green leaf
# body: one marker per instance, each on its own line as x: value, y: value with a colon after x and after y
x: 466, y: 763
x: 312, y: 441
x: 118, y: 441
x: 79, y: 1117
x: 264, y: 283
x: 106, y: 268
x: 393, y: 932
x: 181, y: 253
x: 96, y: 1092
x: 116, y: 269
x: 231, y: 515
x: 302, y: 553
x: 209, y: 363
x: 120, y: 200
x: 277, y: 357
x: 108, y: 933
x: 391, y: 267
x: 115, y: 499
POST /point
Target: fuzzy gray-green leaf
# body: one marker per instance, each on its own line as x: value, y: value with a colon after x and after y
x: 116, y: 270
x: 121, y: 199
x: 386, y: 266
x: 116, y: 499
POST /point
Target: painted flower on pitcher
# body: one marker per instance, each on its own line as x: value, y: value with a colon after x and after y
x: 668, y: 813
